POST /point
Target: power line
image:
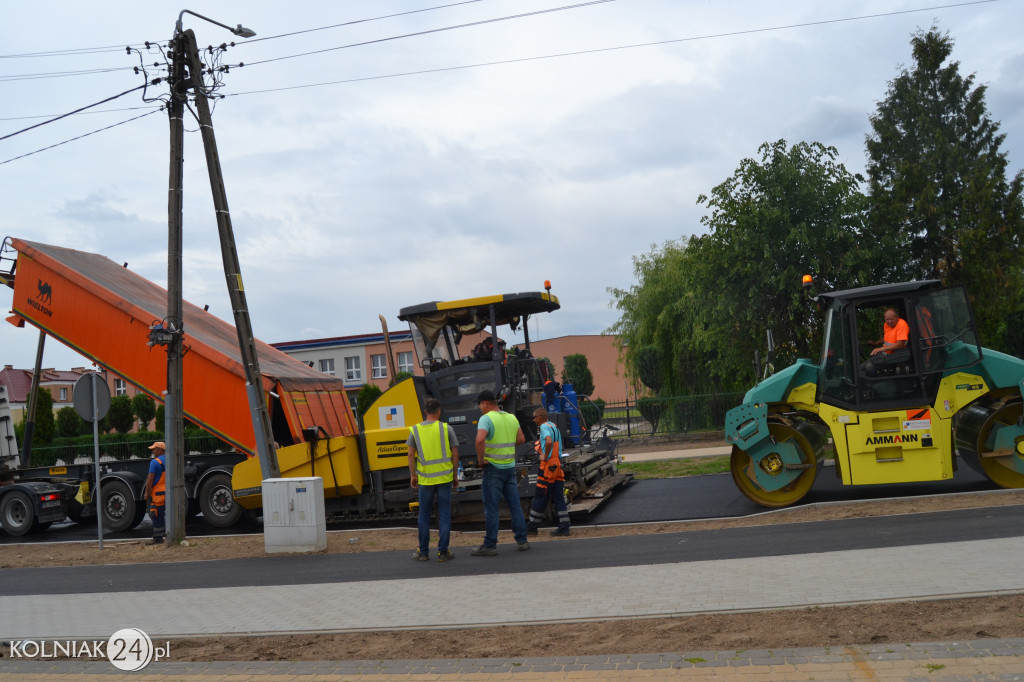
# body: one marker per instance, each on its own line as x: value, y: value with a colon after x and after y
x: 64, y: 74
x: 438, y: 30
x: 120, y: 48
x: 148, y: 113
x: 359, y: 21
x: 89, y: 106
x: 603, y: 49
x: 540, y: 57
x: 61, y: 74
x: 68, y: 52
x: 98, y: 111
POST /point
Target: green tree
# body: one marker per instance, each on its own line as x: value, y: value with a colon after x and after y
x: 796, y: 211
x: 662, y: 311
x: 400, y: 377
x: 1013, y: 334
x: 367, y: 394
x: 592, y: 411
x: 69, y: 423
x: 576, y: 371
x: 702, y: 305
x: 45, y: 428
x: 649, y: 368
x: 144, y: 409
x: 159, y: 418
x: 940, y: 198
x: 120, y: 416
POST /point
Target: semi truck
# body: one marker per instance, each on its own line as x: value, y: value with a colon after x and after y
x: 105, y: 312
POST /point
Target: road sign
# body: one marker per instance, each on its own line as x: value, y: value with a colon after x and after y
x: 83, y: 397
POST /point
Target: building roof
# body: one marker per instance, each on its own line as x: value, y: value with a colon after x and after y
x: 354, y: 340
x: 19, y: 381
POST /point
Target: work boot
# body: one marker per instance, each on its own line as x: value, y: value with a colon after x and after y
x: 523, y: 546
x: 483, y: 550
x: 156, y: 541
x: 560, y: 532
x: 531, y: 529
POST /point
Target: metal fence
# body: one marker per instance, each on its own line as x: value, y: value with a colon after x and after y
x: 653, y: 416
x: 80, y: 449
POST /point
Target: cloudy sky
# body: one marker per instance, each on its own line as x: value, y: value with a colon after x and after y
x: 377, y: 187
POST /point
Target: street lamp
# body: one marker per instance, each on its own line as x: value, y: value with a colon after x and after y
x: 240, y: 31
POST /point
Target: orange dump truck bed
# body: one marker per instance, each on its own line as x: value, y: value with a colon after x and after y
x: 104, y: 311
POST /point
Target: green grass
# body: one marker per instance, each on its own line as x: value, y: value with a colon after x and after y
x: 674, y: 468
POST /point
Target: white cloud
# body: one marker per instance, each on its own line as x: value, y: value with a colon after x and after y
x: 358, y: 199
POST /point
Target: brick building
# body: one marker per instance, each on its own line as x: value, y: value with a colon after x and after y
x: 362, y: 358
x: 60, y: 384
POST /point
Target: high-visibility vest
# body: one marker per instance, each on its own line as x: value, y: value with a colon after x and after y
x: 500, y: 449
x: 433, y: 453
x: 550, y: 469
x: 160, y: 484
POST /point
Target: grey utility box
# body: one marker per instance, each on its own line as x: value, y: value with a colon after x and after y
x: 293, y: 515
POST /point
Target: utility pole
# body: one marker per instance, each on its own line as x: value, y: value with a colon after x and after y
x: 185, y: 56
x: 232, y: 269
x: 174, y: 328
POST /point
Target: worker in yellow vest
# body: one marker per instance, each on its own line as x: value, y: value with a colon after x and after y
x: 498, y: 433
x: 433, y: 461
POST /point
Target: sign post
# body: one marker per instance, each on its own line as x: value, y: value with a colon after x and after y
x: 92, y: 401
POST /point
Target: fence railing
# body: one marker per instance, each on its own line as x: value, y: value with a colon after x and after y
x: 652, y: 416
x: 80, y: 449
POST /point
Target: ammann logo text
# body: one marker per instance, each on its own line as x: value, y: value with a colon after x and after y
x: 888, y: 440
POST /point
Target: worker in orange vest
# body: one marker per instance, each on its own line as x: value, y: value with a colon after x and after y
x: 550, y: 476
x: 154, y: 491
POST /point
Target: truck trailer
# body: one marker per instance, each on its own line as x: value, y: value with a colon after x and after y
x: 105, y: 312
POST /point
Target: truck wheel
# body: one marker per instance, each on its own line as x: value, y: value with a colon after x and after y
x: 74, y: 511
x: 16, y: 513
x: 119, y: 507
x: 217, y: 503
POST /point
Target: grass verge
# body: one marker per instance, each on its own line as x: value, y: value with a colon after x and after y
x: 674, y: 468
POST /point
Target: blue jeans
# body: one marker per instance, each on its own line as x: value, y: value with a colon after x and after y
x: 498, y: 483
x: 443, y: 493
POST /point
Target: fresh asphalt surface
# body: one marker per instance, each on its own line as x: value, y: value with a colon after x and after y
x: 731, y: 543
x: 669, y: 499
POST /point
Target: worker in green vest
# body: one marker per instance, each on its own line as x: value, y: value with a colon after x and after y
x: 433, y: 461
x: 498, y: 434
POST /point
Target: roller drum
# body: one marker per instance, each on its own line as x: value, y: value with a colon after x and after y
x: 810, y: 440
x: 974, y: 427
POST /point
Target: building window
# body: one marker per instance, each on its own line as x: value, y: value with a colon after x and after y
x: 353, y: 369
x: 64, y: 395
x: 405, y: 361
x: 327, y: 366
x: 120, y: 387
x: 379, y: 367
